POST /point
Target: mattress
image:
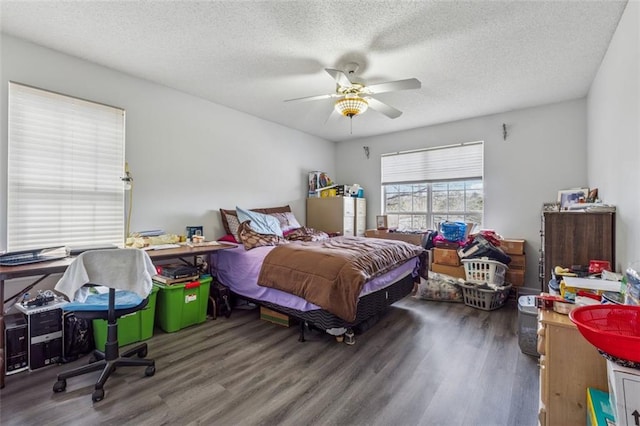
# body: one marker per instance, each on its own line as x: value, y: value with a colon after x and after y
x: 239, y: 269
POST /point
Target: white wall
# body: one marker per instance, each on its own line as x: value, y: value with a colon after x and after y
x: 189, y: 157
x: 545, y: 151
x: 614, y: 133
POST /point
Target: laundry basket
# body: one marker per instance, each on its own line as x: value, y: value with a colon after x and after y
x: 484, y: 270
x: 485, y: 299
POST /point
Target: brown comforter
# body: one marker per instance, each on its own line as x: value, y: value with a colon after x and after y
x: 331, y: 273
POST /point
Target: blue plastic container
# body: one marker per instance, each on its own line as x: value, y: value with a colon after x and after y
x: 453, y: 231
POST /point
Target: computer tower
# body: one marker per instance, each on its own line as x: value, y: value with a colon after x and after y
x: 16, y: 339
x: 45, y: 333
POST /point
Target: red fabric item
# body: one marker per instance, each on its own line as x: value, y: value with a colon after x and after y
x: 228, y: 239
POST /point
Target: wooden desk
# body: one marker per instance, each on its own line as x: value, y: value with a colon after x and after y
x: 44, y: 269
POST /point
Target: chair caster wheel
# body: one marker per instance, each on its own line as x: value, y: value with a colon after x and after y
x: 60, y: 385
x: 142, y: 353
x: 150, y: 371
x: 97, y: 395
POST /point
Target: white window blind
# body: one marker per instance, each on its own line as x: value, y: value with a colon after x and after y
x: 65, y: 163
x: 445, y: 163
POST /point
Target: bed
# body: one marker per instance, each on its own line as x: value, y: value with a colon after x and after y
x: 373, y: 274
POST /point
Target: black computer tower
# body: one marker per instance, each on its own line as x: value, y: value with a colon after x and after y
x: 45, y: 334
x: 16, y: 340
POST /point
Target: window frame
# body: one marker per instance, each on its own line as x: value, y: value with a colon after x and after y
x: 471, y: 177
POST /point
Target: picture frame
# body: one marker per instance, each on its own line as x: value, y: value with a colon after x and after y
x: 381, y: 222
x: 194, y: 230
x: 567, y: 197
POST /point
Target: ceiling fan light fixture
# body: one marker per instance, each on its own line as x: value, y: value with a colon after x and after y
x: 351, y: 105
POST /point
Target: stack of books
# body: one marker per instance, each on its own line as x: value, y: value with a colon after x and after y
x: 175, y: 274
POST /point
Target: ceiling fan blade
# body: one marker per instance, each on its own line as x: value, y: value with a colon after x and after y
x: 339, y: 76
x: 390, y: 86
x: 383, y: 108
x: 314, y: 98
x: 331, y: 115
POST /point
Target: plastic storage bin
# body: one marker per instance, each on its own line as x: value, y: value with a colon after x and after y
x: 528, y: 325
x: 132, y: 328
x: 182, y: 305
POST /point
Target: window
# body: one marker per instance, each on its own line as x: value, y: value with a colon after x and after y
x: 65, y: 163
x: 423, y: 188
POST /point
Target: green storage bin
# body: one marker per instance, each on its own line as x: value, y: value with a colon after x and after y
x: 131, y: 328
x: 182, y: 305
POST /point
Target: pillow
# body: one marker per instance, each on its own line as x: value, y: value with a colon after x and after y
x: 228, y: 239
x: 261, y: 223
x: 233, y: 224
x: 251, y: 239
x: 225, y: 214
x: 288, y: 221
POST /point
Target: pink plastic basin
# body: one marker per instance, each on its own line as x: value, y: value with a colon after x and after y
x: 614, y: 329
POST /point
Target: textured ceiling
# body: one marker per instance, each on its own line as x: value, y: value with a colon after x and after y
x: 473, y: 58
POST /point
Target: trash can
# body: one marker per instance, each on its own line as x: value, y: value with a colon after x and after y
x: 528, y: 325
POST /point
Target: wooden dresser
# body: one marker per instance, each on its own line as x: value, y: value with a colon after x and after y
x: 575, y: 238
x: 568, y: 366
x: 407, y: 237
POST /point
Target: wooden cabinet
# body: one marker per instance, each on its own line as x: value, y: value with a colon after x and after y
x: 568, y: 366
x: 575, y: 238
x: 336, y: 214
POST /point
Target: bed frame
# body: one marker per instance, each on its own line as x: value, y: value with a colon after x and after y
x: 368, y: 307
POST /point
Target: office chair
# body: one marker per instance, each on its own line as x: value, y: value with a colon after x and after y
x: 127, y: 270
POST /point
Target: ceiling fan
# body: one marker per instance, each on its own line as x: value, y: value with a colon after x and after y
x: 354, y: 98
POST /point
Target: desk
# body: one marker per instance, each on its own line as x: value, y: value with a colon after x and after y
x: 44, y: 269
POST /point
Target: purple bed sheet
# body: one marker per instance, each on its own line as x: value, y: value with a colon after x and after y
x: 239, y: 269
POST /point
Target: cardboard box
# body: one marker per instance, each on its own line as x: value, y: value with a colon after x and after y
x: 446, y: 257
x: 515, y: 277
x: 512, y: 246
x: 518, y: 261
x: 452, y: 271
x: 275, y: 317
x: 624, y: 393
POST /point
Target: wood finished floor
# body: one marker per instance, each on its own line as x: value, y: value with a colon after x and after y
x: 424, y: 363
